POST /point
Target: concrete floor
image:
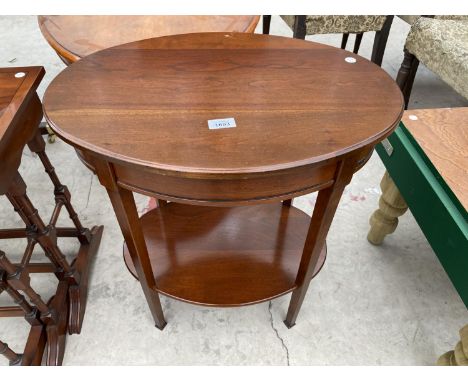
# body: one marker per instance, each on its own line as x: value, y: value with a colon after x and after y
x: 388, y: 305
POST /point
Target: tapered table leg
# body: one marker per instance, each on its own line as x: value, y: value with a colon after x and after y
x: 385, y: 219
x: 127, y: 215
x: 325, y: 207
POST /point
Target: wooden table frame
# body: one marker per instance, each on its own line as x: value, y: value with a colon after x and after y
x: 121, y: 196
x: 64, y: 312
x: 217, y: 177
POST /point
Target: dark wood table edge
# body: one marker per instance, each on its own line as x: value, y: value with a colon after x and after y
x: 69, y: 57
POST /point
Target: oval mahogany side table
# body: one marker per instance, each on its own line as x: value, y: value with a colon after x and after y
x: 230, y: 128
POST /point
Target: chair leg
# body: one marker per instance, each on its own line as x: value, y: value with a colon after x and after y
x: 299, y: 28
x: 380, y: 42
x: 344, y: 40
x: 385, y: 219
x: 266, y: 24
x: 357, y: 42
x: 406, y: 75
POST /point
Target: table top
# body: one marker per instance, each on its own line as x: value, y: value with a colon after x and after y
x: 16, y: 85
x: 443, y: 135
x: 20, y: 114
x: 74, y: 37
x: 294, y: 103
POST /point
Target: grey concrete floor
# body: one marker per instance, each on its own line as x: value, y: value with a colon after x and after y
x: 388, y: 305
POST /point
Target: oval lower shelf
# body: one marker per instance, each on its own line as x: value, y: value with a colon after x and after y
x: 220, y: 256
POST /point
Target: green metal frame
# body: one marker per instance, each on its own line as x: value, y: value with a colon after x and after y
x: 440, y: 215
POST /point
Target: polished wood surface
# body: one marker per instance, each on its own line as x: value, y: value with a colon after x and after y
x: 74, y: 37
x: 20, y: 108
x: 306, y: 120
x: 192, y: 249
x: 20, y: 114
x: 295, y: 103
x: 16, y: 85
x: 443, y: 135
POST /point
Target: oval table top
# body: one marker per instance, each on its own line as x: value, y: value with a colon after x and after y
x: 294, y: 103
x: 74, y: 37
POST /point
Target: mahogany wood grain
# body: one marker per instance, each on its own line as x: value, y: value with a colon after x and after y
x: 295, y: 103
x: 74, y: 37
x: 35, y: 345
x: 20, y: 109
x: 325, y: 207
x: 306, y: 120
x: 193, y: 249
x: 20, y: 114
x: 443, y: 135
x: 229, y: 190
x: 125, y: 209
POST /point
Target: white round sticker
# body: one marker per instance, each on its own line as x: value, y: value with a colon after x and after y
x: 351, y: 60
x: 413, y: 117
x: 20, y: 74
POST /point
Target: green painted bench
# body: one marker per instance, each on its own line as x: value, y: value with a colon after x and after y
x: 427, y: 160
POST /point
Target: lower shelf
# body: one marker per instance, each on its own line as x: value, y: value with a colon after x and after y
x: 221, y: 256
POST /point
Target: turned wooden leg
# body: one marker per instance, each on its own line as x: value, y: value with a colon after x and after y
x: 36, y: 342
x: 458, y: 356
x: 325, y: 208
x: 266, y: 24
x: 53, y: 316
x: 31, y: 313
x: 391, y: 205
x: 19, y: 279
x: 406, y: 75
x: 89, y: 239
x: 61, y: 192
x: 15, y: 359
x: 45, y: 235
x: 127, y: 215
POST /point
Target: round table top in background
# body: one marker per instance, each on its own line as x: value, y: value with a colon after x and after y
x: 74, y: 37
x: 294, y: 102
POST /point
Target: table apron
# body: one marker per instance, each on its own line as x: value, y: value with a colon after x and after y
x: 227, y: 191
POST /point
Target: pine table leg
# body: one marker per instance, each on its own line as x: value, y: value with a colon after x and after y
x: 385, y: 219
x: 458, y: 356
